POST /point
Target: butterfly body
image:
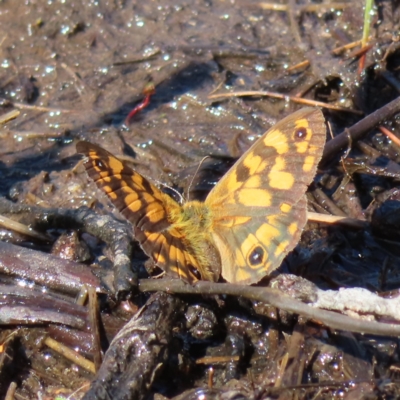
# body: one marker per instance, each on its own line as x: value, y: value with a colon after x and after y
x: 249, y: 221
x: 189, y: 233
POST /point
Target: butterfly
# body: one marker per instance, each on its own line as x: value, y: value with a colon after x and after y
x: 248, y: 222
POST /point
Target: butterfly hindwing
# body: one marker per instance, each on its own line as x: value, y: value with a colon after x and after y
x: 169, y: 252
x: 256, y: 246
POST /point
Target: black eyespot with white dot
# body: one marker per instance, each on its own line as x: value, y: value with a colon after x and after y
x: 256, y: 256
x: 300, y: 133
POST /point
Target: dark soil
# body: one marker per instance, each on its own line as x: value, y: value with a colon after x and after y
x: 75, y: 70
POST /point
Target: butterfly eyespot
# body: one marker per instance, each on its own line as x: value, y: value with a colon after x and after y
x: 256, y: 256
x: 300, y: 133
x: 194, y: 271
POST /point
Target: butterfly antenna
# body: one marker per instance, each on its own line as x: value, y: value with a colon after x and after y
x: 181, y: 198
x: 197, y: 170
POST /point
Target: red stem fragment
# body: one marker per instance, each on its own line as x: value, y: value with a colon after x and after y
x: 390, y: 135
x: 148, y: 91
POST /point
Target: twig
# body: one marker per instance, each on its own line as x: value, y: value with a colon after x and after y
x: 94, y: 322
x: 335, y: 51
x: 9, y: 116
x: 358, y: 130
x: 263, y: 93
x: 31, y: 134
x: 307, y: 8
x: 390, y: 135
x: 274, y: 298
x: 301, y: 64
x: 23, y: 106
x: 346, y: 46
x: 15, y: 226
x: 70, y: 354
x: 334, y: 219
x: 323, y: 200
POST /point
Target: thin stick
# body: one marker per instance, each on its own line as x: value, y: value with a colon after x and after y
x: 307, y: 8
x: 274, y: 298
x: 334, y: 219
x: 70, y: 354
x: 9, y: 223
x: 263, y: 93
x: 390, y: 135
x: 9, y: 116
x: 23, y: 106
x: 358, y: 130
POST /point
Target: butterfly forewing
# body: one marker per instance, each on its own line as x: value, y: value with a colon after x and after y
x: 138, y: 200
x: 146, y: 207
x: 260, y: 201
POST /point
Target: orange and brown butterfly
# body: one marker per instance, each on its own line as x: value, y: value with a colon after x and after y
x: 249, y: 221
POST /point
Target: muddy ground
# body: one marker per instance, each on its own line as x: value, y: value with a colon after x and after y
x: 73, y: 71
